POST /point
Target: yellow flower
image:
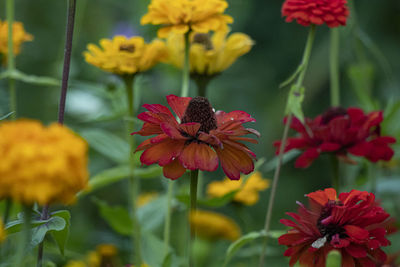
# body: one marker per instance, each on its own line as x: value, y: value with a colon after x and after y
x: 2, y: 232
x: 209, y: 55
x: 146, y: 198
x: 212, y: 225
x: 76, y: 264
x: 41, y: 164
x: 181, y: 16
x: 105, y: 255
x: 247, y: 194
x: 19, y: 37
x: 125, y: 56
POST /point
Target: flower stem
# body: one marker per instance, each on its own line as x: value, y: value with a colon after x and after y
x: 11, y: 58
x: 299, y: 83
x: 335, y: 173
x: 194, y: 176
x: 186, y: 68
x: 334, y: 67
x: 25, y: 237
x: 63, y: 96
x: 202, y: 82
x: 8, y: 205
x: 133, y: 181
x: 167, y: 225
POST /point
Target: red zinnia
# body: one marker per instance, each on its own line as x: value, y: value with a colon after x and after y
x: 198, y: 141
x: 352, y: 224
x: 340, y: 131
x: 332, y: 12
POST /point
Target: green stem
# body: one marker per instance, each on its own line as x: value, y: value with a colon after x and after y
x: 134, y: 182
x: 194, y: 176
x: 334, y: 67
x: 8, y: 205
x: 167, y: 225
x: 335, y: 173
x: 24, y: 238
x: 11, y: 58
x: 202, y: 82
x: 186, y: 68
x: 299, y: 83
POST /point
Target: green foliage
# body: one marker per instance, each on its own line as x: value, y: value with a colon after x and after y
x: 61, y: 236
x: 295, y: 99
x: 31, y: 79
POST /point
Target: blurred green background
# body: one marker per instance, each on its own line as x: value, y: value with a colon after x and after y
x: 370, y: 67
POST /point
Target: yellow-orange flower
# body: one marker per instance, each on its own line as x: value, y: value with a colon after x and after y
x: 146, y: 198
x: 125, y: 56
x: 2, y: 232
x: 41, y: 164
x: 213, y: 226
x: 181, y: 16
x: 19, y: 37
x: 104, y: 255
x: 247, y: 194
x: 209, y: 55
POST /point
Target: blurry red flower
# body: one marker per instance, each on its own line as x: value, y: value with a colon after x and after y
x: 351, y: 224
x: 340, y: 131
x: 199, y: 141
x: 332, y: 12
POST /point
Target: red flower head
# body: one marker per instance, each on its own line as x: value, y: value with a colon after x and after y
x: 351, y: 224
x: 202, y: 137
x: 340, y: 131
x: 332, y: 12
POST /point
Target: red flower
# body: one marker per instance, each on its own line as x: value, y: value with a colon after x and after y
x: 340, y: 131
x: 351, y: 224
x: 332, y: 12
x: 203, y: 138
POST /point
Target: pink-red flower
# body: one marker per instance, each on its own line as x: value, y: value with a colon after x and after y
x: 352, y: 224
x: 332, y: 12
x: 340, y: 131
x: 201, y: 139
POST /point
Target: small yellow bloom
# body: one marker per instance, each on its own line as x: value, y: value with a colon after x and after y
x: 2, y: 232
x: 247, y: 194
x: 41, y: 164
x: 76, y: 264
x: 19, y: 37
x: 146, y: 198
x: 209, y: 55
x: 125, y: 56
x: 212, y: 225
x: 181, y: 16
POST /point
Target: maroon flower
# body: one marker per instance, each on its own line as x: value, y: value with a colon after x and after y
x: 332, y: 12
x: 340, y: 131
x: 352, y: 224
x: 199, y: 142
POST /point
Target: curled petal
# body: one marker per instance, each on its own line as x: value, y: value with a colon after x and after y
x: 174, y: 170
x: 234, y: 162
x: 199, y: 156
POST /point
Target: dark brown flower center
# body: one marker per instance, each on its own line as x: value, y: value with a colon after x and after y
x: 203, y: 39
x: 127, y: 48
x: 330, y: 231
x: 199, y: 110
x: 333, y: 113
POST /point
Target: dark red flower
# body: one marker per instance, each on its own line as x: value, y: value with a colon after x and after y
x: 351, y: 224
x: 332, y: 12
x: 340, y: 131
x: 199, y: 142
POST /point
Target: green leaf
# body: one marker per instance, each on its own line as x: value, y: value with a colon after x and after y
x: 152, y: 215
x: 288, y: 156
x: 6, y: 116
x: 116, y: 216
x: 235, y: 246
x: 61, y: 236
x: 31, y: 79
x: 295, y: 99
x: 292, y: 77
x: 55, y: 223
x: 107, y: 144
x: 167, y: 260
x: 17, y: 225
x: 119, y: 173
x: 153, y: 249
x: 334, y: 259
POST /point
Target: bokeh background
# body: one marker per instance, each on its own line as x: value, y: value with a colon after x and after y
x: 369, y: 66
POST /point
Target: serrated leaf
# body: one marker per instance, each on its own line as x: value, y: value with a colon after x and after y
x: 334, y: 259
x: 107, y: 144
x: 116, y: 216
x: 295, y: 99
x: 61, y: 236
x: 31, y: 79
x: 55, y: 223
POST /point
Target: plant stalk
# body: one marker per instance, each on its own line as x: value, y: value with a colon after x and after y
x: 335, y: 173
x: 186, y: 68
x: 10, y: 8
x: 194, y: 177
x: 334, y: 67
x: 25, y: 237
x: 299, y: 83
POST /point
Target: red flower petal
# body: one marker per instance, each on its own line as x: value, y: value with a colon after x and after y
x: 234, y: 161
x: 356, y: 232
x: 191, y: 128
x: 199, y: 156
x: 178, y: 104
x: 322, y: 197
x: 162, y: 153
x: 174, y: 170
x: 306, y: 158
x: 356, y: 251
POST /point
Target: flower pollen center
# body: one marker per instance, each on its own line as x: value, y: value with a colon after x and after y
x: 199, y: 110
x: 203, y: 39
x: 331, y: 231
x: 333, y: 113
x: 127, y: 48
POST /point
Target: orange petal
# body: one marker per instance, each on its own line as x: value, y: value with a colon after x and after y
x: 174, y: 170
x: 199, y: 156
